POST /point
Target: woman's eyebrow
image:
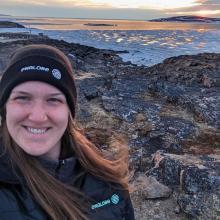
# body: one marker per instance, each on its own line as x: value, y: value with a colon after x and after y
x: 56, y: 94
x: 49, y: 94
x: 21, y: 92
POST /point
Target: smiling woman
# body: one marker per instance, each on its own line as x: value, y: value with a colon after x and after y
x: 48, y: 168
x: 28, y: 108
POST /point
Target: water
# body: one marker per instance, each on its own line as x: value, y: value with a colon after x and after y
x: 148, y: 43
x: 80, y: 24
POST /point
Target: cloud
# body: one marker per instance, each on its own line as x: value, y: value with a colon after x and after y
x: 206, y: 8
x: 22, y: 2
x: 141, y: 4
x: 91, y: 13
x: 211, y: 2
x: 136, y: 9
x: 52, y: 3
x: 208, y: 4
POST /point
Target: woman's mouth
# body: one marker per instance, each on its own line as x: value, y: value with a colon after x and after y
x: 36, y: 130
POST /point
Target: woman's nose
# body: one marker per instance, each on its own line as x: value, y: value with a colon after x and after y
x: 38, y: 113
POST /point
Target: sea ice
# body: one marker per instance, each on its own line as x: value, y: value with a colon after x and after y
x: 147, y: 47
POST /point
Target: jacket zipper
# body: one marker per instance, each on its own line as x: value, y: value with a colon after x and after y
x: 60, y: 165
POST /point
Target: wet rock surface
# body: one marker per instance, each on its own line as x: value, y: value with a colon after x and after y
x: 170, y: 115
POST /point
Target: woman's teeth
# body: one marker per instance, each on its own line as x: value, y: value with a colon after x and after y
x: 36, y: 130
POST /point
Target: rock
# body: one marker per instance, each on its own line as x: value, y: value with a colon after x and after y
x: 205, y: 143
x: 160, y: 209
x: 192, y: 82
x: 203, y: 103
x: 191, y: 173
x: 95, y: 24
x: 200, y: 179
x: 175, y: 148
x: 198, y: 182
x: 192, y: 69
x: 201, y: 206
x: 166, y: 169
x: 123, y: 101
x: 178, y: 127
x: 150, y: 188
x: 92, y: 87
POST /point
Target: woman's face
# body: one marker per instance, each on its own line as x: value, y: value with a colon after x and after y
x: 37, y: 117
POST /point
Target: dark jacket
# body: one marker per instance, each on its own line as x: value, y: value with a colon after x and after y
x: 16, y: 202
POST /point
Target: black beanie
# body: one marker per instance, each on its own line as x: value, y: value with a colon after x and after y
x: 39, y: 63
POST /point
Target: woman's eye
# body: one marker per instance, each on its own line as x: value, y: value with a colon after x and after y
x: 54, y: 100
x: 22, y: 98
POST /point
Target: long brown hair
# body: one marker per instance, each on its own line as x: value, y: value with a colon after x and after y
x: 58, y: 200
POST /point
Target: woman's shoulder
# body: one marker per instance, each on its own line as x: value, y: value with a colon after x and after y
x: 95, y: 183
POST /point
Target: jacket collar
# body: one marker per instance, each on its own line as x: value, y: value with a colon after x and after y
x: 63, y: 169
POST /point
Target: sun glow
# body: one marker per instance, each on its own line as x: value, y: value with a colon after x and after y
x: 207, y: 12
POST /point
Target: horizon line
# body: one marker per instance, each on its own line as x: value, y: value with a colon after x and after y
x: 27, y: 16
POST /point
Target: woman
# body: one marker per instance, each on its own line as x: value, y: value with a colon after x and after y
x: 48, y: 168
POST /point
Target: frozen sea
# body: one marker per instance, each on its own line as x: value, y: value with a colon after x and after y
x: 147, y: 43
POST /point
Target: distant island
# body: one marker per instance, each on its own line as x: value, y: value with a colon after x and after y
x: 95, y: 24
x: 10, y: 24
x: 2, y: 15
x: 187, y: 19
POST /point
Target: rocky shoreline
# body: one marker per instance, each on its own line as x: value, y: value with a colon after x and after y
x: 170, y: 115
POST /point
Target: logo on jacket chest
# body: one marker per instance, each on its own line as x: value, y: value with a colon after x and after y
x: 114, y: 199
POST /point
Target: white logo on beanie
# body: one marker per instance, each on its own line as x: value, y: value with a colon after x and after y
x: 56, y: 73
x: 39, y: 68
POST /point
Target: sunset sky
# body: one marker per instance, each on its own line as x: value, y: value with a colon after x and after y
x: 110, y: 9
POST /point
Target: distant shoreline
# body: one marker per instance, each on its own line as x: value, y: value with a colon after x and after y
x: 10, y: 24
x: 186, y: 19
x: 166, y: 19
x: 45, y: 24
